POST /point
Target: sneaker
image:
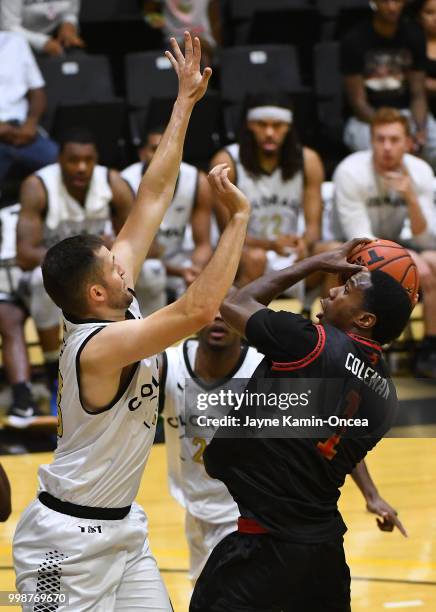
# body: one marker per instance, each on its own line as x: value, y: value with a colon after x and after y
x: 425, y: 365
x: 21, y: 416
x: 29, y: 417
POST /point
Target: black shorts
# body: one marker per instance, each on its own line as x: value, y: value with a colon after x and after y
x: 259, y: 573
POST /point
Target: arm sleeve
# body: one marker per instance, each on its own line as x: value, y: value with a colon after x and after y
x: 10, y: 19
x: 350, y: 206
x: 281, y: 336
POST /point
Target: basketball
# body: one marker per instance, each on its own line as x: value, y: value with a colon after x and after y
x: 391, y: 258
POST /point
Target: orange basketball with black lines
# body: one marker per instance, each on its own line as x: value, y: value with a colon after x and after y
x: 391, y: 258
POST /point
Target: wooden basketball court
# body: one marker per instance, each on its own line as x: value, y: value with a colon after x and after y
x: 388, y: 571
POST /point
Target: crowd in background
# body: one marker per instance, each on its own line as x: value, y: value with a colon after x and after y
x: 382, y: 175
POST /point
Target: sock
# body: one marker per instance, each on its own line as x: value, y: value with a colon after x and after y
x: 22, y: 394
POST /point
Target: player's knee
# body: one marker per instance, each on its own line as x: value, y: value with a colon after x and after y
x: 254, y: 259
x: 326, y: 245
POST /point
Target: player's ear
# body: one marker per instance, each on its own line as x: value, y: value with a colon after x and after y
x: 96, y: 292
x: 365, y: 320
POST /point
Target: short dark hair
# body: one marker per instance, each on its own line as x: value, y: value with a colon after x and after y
x: 291, y: 155
x: 390, y: 303
x: 76, y: 134
x: 67, y: 267
x: 156, y: 128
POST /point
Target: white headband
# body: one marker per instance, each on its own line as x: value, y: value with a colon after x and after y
x: 275, y: 113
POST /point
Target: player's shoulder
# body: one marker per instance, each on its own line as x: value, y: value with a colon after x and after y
x: 354, y: 166
x: 49, y: 171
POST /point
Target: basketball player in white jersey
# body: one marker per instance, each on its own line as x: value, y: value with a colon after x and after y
x: 283, y: 182
x: 84, y: 535
x: 213, y: 359
x: 191, y: 205
x: 75, y: 195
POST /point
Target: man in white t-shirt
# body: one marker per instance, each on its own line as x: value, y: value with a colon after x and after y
x: 387, y: 193
x: 22, y: 103
x: 49, y: 27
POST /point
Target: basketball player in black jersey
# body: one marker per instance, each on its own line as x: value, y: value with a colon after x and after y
x: 287, y: 555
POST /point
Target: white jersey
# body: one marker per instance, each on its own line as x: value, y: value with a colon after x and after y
x: 178, y: 216
x: 100, y: 457
x: 276, y: 204
x: 364, y: 206
x: 203, y: 497
x: 65, y: 216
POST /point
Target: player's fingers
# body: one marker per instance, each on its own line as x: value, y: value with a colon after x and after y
x: 352, y: 244
x: 399, y: 525
x: 215, y: 171
x: 173, y: 61
x: 188, y: 47
x: 196, y: 51
x: 176, y: 51
x: 207, y: 73
x: 385, y: 525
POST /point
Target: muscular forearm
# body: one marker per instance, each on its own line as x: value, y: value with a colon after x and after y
x: 363, y: 480
x: 37, y: 104
x: 221, y: 269
x: 418, y: 223
x: 269, y: 286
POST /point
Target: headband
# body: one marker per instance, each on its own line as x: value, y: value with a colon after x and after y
x: 277, y: 113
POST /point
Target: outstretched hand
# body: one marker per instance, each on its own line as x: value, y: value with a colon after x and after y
x: 336, y: 260
x: 226, y: 193
x: 388, y: 516
x: 192, y: 84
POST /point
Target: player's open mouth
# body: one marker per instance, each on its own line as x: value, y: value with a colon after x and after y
x: 217, y: 332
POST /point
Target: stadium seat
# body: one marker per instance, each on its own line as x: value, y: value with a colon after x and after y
x: 263, y: 67
x: 151, y: 86
x: 330, y: 102
x: 241, y: 13
x: 341, y: 15
x: 96, y: 10
x: 75, y: 79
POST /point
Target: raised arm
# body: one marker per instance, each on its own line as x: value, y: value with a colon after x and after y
x: 201, y: 216
x: 157, y: 186
x: 134, y: 340
x: 30, y: 250
x: 242, y: 303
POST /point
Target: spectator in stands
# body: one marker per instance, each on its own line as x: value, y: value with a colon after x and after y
x: 49, y: 26
x: 200, y: 17
x: 383, y: 62
x: 73, y: 196
x: 283, y: 181
x: 191, y: 205
x: 23, y: 146
x: 425, y: 12
x: 381, y: 190
x: 5, y: 496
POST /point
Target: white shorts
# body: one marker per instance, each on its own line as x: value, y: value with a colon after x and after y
x: 276, y: 262
x: 202, y: 538
x: 150, y: 287
x: 101, y: 565
x: 10, y: 277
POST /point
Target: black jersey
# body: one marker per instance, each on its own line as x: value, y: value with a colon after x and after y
x: 291, y: 486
